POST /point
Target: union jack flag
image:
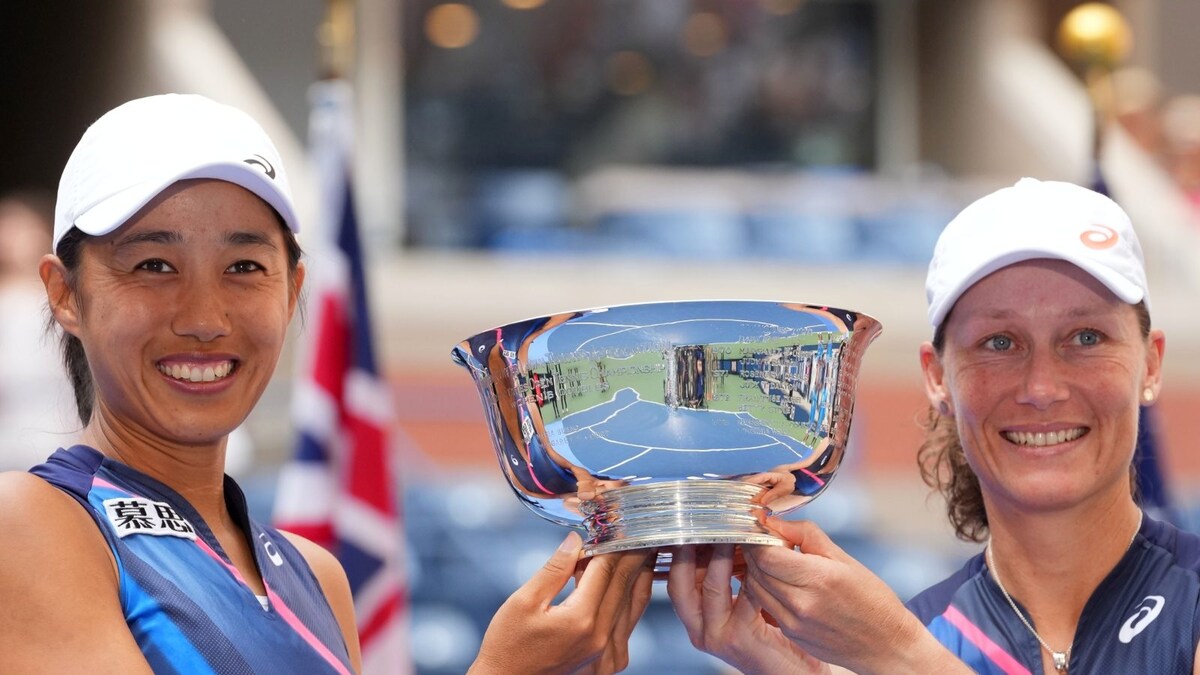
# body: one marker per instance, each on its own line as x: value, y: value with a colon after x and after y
x: 339, y: 489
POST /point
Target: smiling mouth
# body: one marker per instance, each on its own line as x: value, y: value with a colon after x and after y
x: 1041, y: 439
x: 208, y: 372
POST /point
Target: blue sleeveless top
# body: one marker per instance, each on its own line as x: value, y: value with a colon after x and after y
x: 1142, y: 618
x: 185, y: 603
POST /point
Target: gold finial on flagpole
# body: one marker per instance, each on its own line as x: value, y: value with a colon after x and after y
x: 335, y: 37
x: 1096, y: 38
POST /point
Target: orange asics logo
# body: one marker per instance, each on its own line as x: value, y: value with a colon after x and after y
x: 1099, y: 238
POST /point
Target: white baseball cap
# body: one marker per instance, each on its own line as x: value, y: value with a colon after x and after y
x: 140, y: 148
x: 1036, y: 219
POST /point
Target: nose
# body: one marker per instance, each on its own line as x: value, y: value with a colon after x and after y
x: 1044, y: 382
x: 201, y: 312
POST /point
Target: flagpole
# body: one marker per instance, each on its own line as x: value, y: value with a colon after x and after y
x: 335, y: 40
x: 1095, y: 38
x: 359, y: 42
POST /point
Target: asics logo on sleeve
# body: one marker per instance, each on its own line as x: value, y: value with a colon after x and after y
x: 271, y: 551
x: 1146, y: 613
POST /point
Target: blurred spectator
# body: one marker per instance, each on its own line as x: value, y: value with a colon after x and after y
x: 1181, y: 132
x: 1138, y: 106
x: 35, y: 398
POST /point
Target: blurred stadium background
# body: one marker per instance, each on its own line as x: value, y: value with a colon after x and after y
x: 521, y: 157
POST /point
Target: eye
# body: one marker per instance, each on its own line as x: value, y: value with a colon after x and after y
x: 1088, y: 337
x: 244, y: 267
x: 999, y: 343
x: 155, y: 265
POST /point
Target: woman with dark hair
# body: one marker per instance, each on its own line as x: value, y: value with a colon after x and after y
x: 175, y: 276
x: 1042, y: 354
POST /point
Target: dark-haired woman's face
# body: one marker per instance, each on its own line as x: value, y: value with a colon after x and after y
x: 1043, y: 370
x: 183, y: 312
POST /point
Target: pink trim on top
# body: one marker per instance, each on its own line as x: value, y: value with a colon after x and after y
x: 813, y: 476
x: 294, y: 621
x: 100, y: 482
x: 990, y: 649
x: 284, y: 611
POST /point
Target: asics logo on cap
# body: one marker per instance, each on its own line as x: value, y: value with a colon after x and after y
x: 260, y: 161
x: 1147, y: 611
x: 1100, y: 238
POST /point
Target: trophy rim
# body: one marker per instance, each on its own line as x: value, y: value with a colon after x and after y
x: 873, y: 321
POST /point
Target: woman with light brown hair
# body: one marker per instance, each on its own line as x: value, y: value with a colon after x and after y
x: 1042, y: 355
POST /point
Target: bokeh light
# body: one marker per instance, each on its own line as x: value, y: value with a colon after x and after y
x: 780, y: 7
x: 704, y: 34
x: 1095, y: 33
x: 629, y: 73
x: 451, y: 25
x: 524, y: 4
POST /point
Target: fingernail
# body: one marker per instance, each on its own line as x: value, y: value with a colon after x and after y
x: 572, y: 543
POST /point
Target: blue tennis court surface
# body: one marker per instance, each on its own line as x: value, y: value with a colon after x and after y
x: 636, y: 327
x: 628, y: 437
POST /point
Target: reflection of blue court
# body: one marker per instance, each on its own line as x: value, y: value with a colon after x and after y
x: 629, y: 437
x: 637, y: 327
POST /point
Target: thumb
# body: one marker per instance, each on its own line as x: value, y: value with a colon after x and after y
x: 558, y: 570
x: 806, y: 536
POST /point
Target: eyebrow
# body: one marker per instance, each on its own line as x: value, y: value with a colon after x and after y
x: 1074, y: 313
x: 149, y: 237
x: 250, y: 239
x: 174, y: 237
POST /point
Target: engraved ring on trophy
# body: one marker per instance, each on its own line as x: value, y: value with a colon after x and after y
x: 671, y: 423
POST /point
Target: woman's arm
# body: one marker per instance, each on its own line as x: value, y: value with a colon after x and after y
x: 336, y: 588
x: 61, y: 610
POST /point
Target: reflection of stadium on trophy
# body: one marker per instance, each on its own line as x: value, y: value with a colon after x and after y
x: 640, y: 422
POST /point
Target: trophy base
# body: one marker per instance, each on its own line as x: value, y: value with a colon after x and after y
x: 676, y: 513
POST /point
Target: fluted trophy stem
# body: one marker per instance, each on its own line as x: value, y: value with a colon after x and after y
x: 676, y: 513
x: 674, y: 423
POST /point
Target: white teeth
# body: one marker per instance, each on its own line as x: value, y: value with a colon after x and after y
x: 207, y: 373
x: 1042, y: 439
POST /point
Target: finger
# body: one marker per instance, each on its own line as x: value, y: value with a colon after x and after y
x: 553, y: 576
x: 717, y: 590
x: 604, y: 586
x: 619, y: 594
x: 682, y: 589
x: 639, y: 598
x: 745, y: 610
x: 760, y: 597
x: 807, y: 536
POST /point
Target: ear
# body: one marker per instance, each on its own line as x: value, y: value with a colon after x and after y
x: 935, y: 383
x: 61, y: 298
x: 297, y: 285
x: 1156, y: 346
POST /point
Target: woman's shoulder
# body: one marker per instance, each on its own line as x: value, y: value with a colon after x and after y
x: 324, y: 565
x: 42, y: 527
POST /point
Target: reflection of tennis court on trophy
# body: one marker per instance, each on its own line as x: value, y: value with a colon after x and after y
x: 628, y: 437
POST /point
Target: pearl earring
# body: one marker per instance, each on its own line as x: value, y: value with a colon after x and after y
x: 1148, y: 395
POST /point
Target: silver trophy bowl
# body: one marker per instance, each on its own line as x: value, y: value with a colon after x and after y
x: 672, y: 423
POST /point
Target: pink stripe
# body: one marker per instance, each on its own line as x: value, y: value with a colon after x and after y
x: 213, y: 554
x: 813, y: 476
x: 990, y: 649
x: 284, y: 611
x: 302, y: 630
x: 100, y: 482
